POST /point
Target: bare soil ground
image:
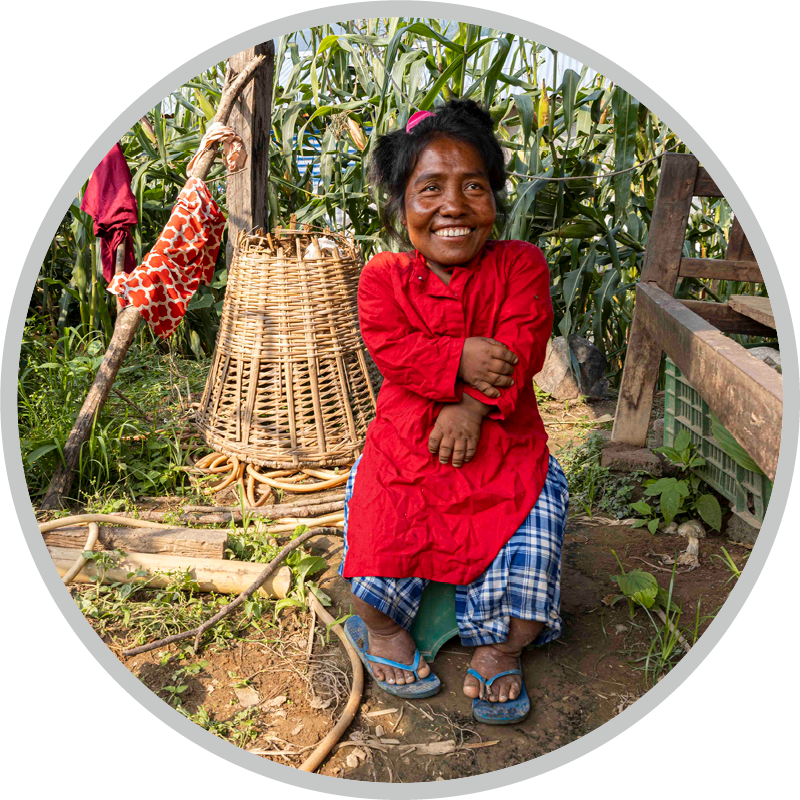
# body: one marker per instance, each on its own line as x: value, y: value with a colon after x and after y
x: 591, y: 674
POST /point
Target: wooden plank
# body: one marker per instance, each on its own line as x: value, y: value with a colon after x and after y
x: 211, y: 574
x: 246, y: 191
x: 738, y: 247
x: 723, y: 317
x: 744, y: 393
x: 203, y: 543
x: 757, y: 308
x: 721, y: 269
x: 662, y: 261
x: 705, y: 185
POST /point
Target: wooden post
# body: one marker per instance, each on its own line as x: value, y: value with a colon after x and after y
x: 127, y: 324
x: 661, y: 266
x: 247, y: 190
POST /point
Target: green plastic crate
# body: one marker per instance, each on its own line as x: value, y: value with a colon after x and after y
x: 684, y: 409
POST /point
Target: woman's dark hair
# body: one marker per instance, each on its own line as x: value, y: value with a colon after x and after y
x: 396, y: 155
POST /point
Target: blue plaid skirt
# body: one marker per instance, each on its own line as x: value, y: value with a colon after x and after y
x: 523, y: 581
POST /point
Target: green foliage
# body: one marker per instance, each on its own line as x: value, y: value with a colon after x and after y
x: 678, y: 496
x: 591, y: 485
x: 134, y: 447
x: 354, y: 81
x: 641, y: 590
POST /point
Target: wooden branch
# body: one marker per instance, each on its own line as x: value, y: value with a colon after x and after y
x: 125, y: 330
x: 744, y: 393
x: 721, y: 269
x: 229, y: 95
x: 209, y: 623
x: 211, y: 574
x: 727, y: 319
x: 190, y: 542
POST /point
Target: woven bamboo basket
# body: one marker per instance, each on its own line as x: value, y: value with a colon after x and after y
x: 291, y: 382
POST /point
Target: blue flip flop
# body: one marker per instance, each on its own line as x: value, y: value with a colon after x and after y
x: 499, y: 713
x: 358, y: 635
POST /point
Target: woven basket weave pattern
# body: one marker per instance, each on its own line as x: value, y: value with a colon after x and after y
x: 291, y: 382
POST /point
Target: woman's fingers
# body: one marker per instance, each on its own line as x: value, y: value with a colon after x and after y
x: 445, y: 449
x: 499, y: 350
x: 459, y: 452
x: 500, y: 367
x: 434, y: 440
x: 486, y: 388
x: 501, y: 380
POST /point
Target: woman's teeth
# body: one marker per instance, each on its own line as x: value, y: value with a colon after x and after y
x: 449, y: 232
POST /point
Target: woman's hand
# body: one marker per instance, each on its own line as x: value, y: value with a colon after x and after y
x: 486, y: 364
x: 457, y: 431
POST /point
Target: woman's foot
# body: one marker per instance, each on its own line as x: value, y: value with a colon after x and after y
x: 492, y: 659
x: 388, y: 640
x: 489, y: 660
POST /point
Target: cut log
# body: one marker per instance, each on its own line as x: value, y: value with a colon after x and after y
x: 200, y: 543
x: 126, y: 325
x: 211, y: 574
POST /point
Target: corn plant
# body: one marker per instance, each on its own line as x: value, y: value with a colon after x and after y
x: 343, y: 86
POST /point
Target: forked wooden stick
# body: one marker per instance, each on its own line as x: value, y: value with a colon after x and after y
x: 128, y: 323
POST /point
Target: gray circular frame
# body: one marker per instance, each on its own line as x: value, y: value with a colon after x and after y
x: 10, y: 432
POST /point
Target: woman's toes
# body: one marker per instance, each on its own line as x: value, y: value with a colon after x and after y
x: 423, y: 670
x: 400, y: 677
x: 471, y: 687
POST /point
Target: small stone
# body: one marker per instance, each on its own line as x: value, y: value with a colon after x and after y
x: 351, y: 760
x: 247, y: 696
x: 737, y: 529
x: 298, y: 729
x: 275, y: 702
x: 627, y: 458
x: 379, y: 731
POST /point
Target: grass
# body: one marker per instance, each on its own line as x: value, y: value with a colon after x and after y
x: 135, y: 446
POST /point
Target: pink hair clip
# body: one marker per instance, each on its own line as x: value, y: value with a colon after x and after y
x: 417, y: 118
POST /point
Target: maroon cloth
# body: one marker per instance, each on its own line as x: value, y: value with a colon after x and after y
x: 109, y: 201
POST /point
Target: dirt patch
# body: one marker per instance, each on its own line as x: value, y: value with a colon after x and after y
x: 263, y: 692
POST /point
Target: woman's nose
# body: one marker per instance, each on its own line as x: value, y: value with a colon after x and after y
x: 454, y: 203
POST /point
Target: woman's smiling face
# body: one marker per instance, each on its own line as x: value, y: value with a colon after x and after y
x: 449, y: 204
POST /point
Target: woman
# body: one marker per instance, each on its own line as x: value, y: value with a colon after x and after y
x: 455, y: 483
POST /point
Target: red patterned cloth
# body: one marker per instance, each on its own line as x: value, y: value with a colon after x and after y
x: 110, y: 203
x: 182, y: 258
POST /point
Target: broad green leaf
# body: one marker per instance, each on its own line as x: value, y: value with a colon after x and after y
x: 682, y: 440
x: 670, y: 503
x: 40, y: 451
x: 639, y: 586
x: 731, y: 447
x: 642, y: 507
x: 626, y: 116
x: 661, y: 485
x: 710, y: 511
x: 652, y: 525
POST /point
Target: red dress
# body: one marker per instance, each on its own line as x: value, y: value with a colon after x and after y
x: 410, y: 515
